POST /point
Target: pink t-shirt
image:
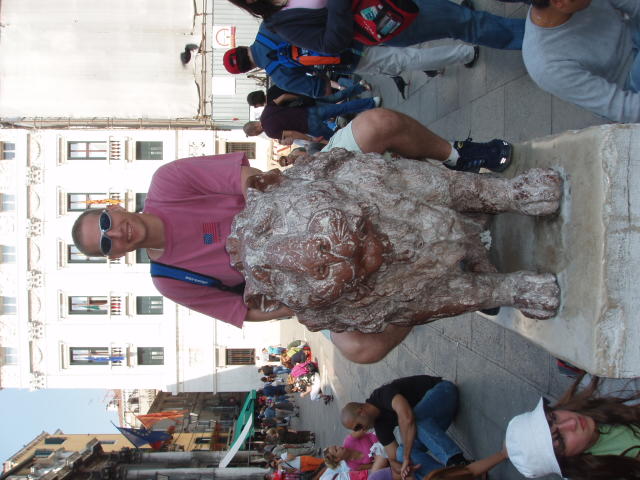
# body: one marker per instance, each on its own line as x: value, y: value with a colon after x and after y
x: 305, y: 4
x: 196, y: 199
x: 362, y: 444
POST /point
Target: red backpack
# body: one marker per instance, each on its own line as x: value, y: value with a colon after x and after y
x: 377, y: 21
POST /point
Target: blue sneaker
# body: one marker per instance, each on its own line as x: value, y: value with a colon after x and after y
x: 494, y: 155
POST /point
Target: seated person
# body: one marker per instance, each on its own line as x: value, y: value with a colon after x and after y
x: 422, y: 407
x: 585, y: 52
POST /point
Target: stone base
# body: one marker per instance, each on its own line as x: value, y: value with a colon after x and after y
x: 592, y: 245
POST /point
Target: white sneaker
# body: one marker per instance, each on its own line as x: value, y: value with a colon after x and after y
x: 377, y: 101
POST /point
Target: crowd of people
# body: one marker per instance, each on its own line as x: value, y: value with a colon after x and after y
x: 400, y: 432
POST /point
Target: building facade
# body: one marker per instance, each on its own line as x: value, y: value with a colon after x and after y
x: 71, y: 321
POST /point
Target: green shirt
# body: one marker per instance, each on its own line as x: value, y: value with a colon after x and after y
x: 614, y: 440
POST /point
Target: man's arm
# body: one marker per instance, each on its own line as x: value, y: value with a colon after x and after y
x: 288, y: 136
x: 255, y: 315
x: 407, y: 424
x: 569, y: 81
x: 630, y: 7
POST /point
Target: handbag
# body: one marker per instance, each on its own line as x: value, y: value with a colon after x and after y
x: 377, y: 21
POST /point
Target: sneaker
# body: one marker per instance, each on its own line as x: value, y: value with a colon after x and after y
x: 433, y: 73
x: 377, y: 101
x: 476, y: 54
x: 401, y: 85
x: 365, y: 85
x: 494, y: 155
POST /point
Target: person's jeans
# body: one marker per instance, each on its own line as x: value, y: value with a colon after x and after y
x: 432, y: 447
x: 320, y: 112
x: 634, y: 73
x: 340, y: 95
x: 278, y: 370
x: 446, y: 19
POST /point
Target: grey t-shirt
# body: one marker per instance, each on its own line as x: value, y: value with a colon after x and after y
x: 586, y: 60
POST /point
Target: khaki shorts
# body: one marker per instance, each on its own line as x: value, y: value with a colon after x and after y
x: 343, y: 138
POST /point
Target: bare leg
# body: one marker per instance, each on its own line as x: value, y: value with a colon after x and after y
x: 369, y: 347
x: 380, y: 130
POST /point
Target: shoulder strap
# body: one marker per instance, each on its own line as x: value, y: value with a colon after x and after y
x: 169, y: 271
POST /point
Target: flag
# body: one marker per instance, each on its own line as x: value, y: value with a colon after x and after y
x: 151, y: 419
x: 142, y: 436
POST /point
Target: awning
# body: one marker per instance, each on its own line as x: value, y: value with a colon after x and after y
x: 243, y: 428
x: 237, y: 444
x: 246, y: 413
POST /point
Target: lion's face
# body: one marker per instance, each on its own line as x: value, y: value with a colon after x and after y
x: 310, y: 260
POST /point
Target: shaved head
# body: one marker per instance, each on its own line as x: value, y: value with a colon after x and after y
x: 350, y: 413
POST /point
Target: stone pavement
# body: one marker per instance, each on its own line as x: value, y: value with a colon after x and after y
x: 499, y: 373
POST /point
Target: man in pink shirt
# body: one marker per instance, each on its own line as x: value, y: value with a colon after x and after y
x: 186, y: 221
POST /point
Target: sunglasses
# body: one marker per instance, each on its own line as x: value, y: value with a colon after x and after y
x: 357, y: 427
x: 105, y: 223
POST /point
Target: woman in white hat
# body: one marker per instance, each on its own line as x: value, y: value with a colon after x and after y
x: 583, y: 436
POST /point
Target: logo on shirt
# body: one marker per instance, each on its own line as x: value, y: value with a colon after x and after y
x: 209, y: 233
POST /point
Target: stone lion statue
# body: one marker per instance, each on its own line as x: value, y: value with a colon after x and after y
x: 355, y: 241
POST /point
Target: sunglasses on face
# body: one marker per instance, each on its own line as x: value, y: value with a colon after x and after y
x: 105, y: 224
x: 556, y: 437
x: 357, y: 427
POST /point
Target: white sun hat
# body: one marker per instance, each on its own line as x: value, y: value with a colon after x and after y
x: 529, y: 444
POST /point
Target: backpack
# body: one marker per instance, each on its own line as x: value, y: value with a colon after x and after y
x: 377, y: 21
x: 290, y: 56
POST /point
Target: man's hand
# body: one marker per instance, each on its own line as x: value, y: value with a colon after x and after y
x: 407, y: 469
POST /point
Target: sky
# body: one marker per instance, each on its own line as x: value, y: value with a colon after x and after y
x: 26, y: 414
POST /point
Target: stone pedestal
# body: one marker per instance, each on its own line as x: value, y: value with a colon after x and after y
x: 593, y: 245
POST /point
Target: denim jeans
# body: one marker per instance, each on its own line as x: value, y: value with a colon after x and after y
x: 349, y: 90
x: 322, y: 111
x: 432, y: 447
x: 634, y: 73
x: 446, y: 19
x: 279, y: 369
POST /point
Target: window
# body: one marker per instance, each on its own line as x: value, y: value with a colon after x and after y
x: 8, y: 202
x: 240, y: 356
x: 54, y: 440
x: 42, y: 453
x: 8, y: 253
x: 8, y: 151
x: 142, y: 256
x: 89, y: 355
x: 140, y: 198
x: 79, y: 202
x: 8, y: 305
x: 87, y: 150
x: 150, y: 355
x: 107, y: 442
x: 148, y: 150
x: 248, y: 147
x: 76, y: 256
x: 9, y: 355
x: 203, y: 440
x: 149, y: 305
x: 88, y: 305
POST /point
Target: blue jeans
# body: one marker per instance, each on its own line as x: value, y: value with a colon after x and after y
x: 634, y: 73
x: 432, y: 447
x: 350, y: 90
x: 446, y: 19
x: 322, y: 111
x: 279, y: 369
